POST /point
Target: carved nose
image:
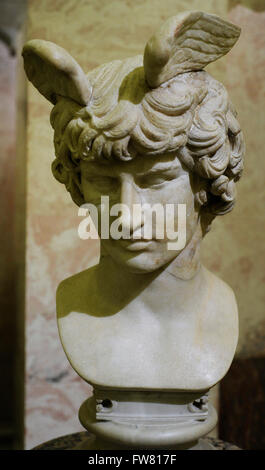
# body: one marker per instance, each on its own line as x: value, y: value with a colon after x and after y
x: 131, y: 217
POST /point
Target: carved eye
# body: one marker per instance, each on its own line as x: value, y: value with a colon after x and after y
x: 146, y: 181
x: 152, y: 180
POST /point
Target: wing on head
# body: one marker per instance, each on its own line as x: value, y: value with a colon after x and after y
x: 186, y: 43
x: 59, y: 78
x: 55, y: 73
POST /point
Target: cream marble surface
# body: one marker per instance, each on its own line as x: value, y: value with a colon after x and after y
x: 172, y: 336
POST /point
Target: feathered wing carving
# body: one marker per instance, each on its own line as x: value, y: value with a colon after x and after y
x: 185, y: 43
x: 54, y: 72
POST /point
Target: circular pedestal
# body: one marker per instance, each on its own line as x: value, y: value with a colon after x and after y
x: 76, y: 440
x: 143, y: 434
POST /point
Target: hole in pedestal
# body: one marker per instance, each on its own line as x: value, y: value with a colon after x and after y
x: 198, y: 404
x: 107, y: 403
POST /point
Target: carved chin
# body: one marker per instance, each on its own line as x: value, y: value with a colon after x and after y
x: 142, y: 261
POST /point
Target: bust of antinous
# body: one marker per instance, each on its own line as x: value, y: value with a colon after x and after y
x: 149, y: 129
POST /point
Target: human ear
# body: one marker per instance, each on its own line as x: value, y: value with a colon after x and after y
x: 55, y: 73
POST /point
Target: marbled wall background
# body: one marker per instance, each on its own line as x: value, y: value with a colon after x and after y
x: 7, y: 271
x: 95, y: 32
x: 12, y: 223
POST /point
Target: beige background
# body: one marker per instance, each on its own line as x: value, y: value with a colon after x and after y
x: 95, y: 32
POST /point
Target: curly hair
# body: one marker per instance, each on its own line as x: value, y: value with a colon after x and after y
x: 189, y: 115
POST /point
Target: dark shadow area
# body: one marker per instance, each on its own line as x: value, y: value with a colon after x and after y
x: 133, y: 87
x: 12, y: 21
x: 242, y: 397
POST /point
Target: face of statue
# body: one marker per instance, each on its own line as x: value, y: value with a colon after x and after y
x: 143, y: 180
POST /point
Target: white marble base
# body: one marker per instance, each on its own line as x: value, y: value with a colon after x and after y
x: 149, y: 430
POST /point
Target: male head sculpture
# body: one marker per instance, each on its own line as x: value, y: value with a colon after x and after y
x: 157, y: 129
x: 167, y: 106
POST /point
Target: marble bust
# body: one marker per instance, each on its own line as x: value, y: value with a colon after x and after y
x: 147, y: 324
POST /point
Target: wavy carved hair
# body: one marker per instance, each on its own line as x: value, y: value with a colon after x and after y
x: 189, y: 115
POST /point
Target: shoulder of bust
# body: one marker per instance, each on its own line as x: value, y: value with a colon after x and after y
x: 220, y: 289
